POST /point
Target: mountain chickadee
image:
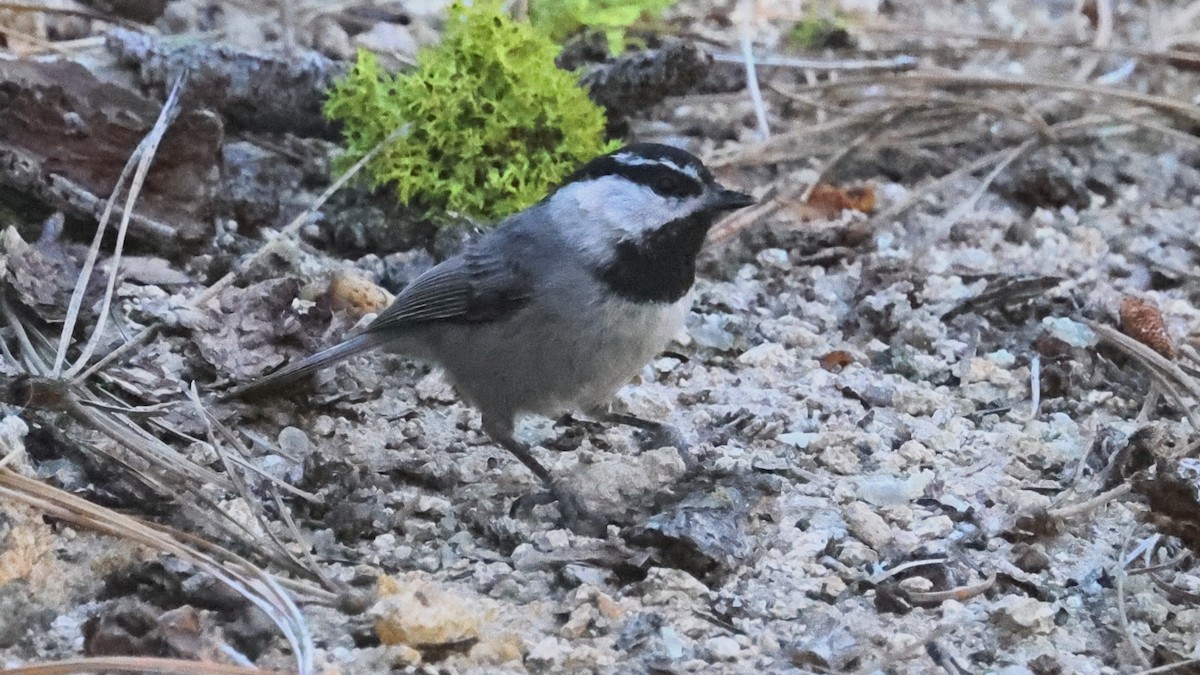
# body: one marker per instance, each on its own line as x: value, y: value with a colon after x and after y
x: 561, y: 304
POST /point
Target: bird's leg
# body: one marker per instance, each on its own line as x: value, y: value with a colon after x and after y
x: 574, y: 514
x: 660, y: 435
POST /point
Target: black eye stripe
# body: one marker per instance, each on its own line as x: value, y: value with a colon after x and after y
x: 663, y: 179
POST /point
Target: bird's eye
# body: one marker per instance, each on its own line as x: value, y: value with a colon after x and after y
x: 676, y: 185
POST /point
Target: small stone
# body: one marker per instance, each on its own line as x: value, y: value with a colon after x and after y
x: 432, y: 504
x: 1151, y: 607
x: 579, y: 622
x: 202, y: 453
x: 497, y: 650
x: 885, y: 490
x: 869, y: 527
x: 768, y: 355
x: 798, y: 439
x: 856, y: 554
x: 840, y: 458
x: 1187, y: 621
x: 389, y: 38
x: 403, y: 655
x: 294, y: 442
x: 1030, y: 558
x: 774, y: 257
x: 723, y: 647
x: 357, y: 295
x: 934, y: 528
x: 1071, y: 332
x: 323, y: 426
x: 557, y: 539
x: 710, y: 332
x: 672, y: 645
x: 329, y: 38
x: 1024, y: 615
x: 608, y: 608
x: 413, y: 610
x: 916, y: 584
x: 549, y: 649
x: 832, y: 587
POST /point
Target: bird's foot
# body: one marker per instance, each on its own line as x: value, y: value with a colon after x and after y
x: 658, y: 435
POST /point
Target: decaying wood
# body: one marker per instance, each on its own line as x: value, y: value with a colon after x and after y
x: 66, y: 134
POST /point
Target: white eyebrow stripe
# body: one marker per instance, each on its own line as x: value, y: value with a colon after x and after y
x: 631, y: 159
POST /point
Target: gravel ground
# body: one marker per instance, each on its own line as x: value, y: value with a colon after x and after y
x: 892, y: 435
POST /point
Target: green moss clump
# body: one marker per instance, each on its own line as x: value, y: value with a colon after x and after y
x: 493, y: 125
x: 562, y: 18
x: 821, y: 32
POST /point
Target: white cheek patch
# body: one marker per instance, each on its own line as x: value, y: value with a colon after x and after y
x: 599, y: 213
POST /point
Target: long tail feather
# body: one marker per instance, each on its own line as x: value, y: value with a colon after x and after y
x: 277, y: 382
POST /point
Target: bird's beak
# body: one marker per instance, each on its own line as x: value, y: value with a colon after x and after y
x: 729, y: 200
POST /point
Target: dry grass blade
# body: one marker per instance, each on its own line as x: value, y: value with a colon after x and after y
x: 968, y: 205
x: 880, y: 124
x: 895, y: 64
x: 1122, y: 613
x: 756, y: 98
x: 1167, y: 373
x: 291, y: 228
x: 147, y: 447
x: 31, y: 360
x: 239, y: 484
x: 145, y: 153
x: 142, y: 455
x: 132, y: 664
x: 1171, y: 667
x: 85, y: 273
x: 984, y: 39
x: 1164, y: 104
x: 246, y: 579
x: 11, y: 456
x: 241, y: 461
x: 65, y: 11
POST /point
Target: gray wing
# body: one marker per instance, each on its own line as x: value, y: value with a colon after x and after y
x: 478, y: 286
x: 475, y: 287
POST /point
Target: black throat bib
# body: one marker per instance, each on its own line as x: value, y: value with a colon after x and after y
x: 660, y: 267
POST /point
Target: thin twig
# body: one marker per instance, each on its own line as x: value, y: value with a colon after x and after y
x: 1064, y: 512
x: 1104, y: 33
x: 960, y: 593
x: 267, y: 248
x: 1035, y: 386
x: 760, y: 108
x: 895, y: 64
x: 132, y: 664
x: 12, y: 456
x: 882, y: 123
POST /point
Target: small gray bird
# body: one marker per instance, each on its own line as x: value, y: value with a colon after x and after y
x: 561, y: 304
